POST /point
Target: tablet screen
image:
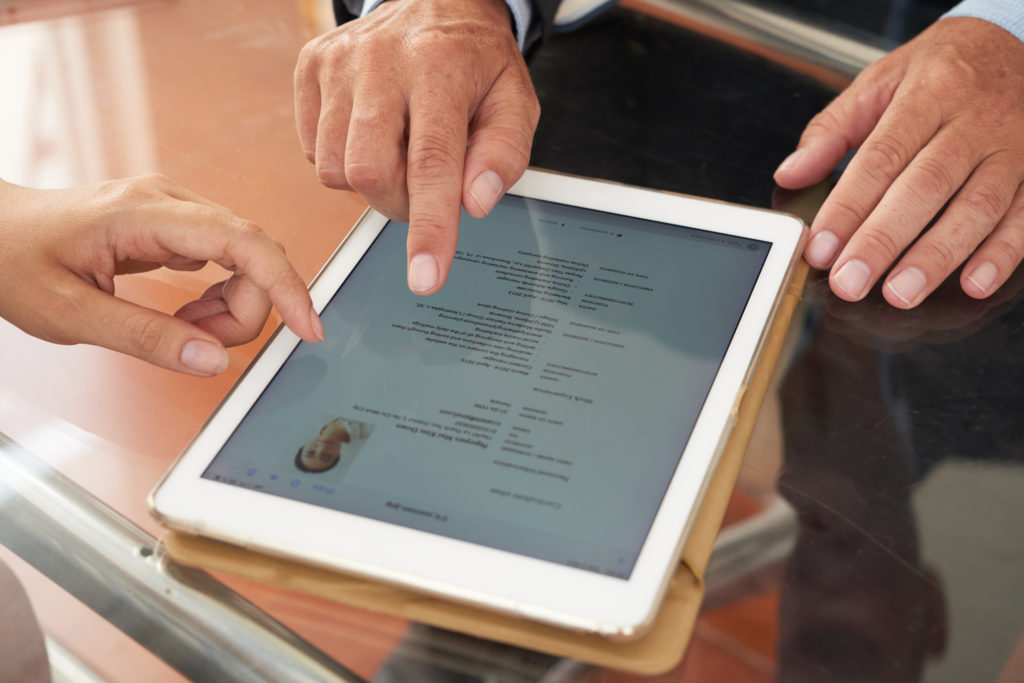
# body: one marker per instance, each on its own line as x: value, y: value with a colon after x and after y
x: 538, y: 404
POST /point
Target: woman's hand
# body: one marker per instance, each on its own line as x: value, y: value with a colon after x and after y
x: 61, y: 250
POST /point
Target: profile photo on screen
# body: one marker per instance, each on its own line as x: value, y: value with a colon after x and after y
x: 334, y: 447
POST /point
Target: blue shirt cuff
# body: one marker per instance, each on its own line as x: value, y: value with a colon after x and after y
x: 1008, y: 14
x: 522, y: 13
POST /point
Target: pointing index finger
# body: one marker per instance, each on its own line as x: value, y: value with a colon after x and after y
x: 437, y: 152
x: 210, y: 234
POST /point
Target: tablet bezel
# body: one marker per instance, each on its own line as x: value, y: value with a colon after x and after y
x: 462, y: 570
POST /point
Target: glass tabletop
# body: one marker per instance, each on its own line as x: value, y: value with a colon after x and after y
x: 877, y: 529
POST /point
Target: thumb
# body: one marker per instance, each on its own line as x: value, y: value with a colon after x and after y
x: 499, y: 144
x: 104, y: 320
x: 841, y: 126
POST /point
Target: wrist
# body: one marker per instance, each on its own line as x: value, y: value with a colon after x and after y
x: 999, y: 12
x: 515, y: 14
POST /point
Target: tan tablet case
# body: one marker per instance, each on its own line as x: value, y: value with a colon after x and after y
x: 658, y: 650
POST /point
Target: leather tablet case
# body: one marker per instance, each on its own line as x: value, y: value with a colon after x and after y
x: 659, y: 649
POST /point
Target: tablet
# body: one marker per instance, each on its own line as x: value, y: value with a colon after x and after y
x: 536, y: 437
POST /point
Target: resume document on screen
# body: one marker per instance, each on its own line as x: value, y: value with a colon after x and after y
x: 538, y: 404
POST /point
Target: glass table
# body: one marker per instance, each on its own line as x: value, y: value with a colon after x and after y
x: 876, y: 532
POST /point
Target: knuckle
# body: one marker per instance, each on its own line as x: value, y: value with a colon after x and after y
x: 248, y: 230
x: 158, y: 180
x: 529, y: 112
x: 278, y: 273
x: 883, y: 158
x: 534, y: 105
x: 881, y: 243
x: 947, y: 75
x: 143, y: 332
x: 933, y: 179
x: 303, y: 76
x: 332, y: 58
x: 514, y: 145
x: 332, y: 176
x: 308, y: 61
x: 431, y: 155
x: 1010, y: 250
x: 132, y: 190
x: 325, y: 49
x: 373, y: 54
x: 244, y: 237
x: 988, y: 202
x: 372, y: 115
x: 844, y: 211
x: 247, y: 238
x: 429, y: 230
x: 824, y: 121
x: 939, y: 254
x: 367, y: 178
x: 516, y: 75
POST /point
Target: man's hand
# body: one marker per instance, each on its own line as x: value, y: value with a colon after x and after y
x: 940, y: 126
x: 62, y: 249
x: 422, y: 107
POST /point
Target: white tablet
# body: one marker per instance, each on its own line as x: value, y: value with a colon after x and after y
x: 536, y: 437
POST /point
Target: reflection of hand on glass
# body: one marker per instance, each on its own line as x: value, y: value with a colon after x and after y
x: 948, y: 315
x: 858, y: 602
x: 63, y: 248
x: 323, y: 452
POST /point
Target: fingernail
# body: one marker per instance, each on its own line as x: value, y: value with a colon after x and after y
x: 790, y: 162
x: 423, y: 273
x: 853, y: 277
x: 822, y: 248
x: 318, y: 327
x: 907, y: 285
x: 486, y: 190
x: 204, y: 357
x: 984, y: 276
x: 229, y: 285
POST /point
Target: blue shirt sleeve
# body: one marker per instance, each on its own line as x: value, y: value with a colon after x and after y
x: 1008, y: 14
x: 522, y: 14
